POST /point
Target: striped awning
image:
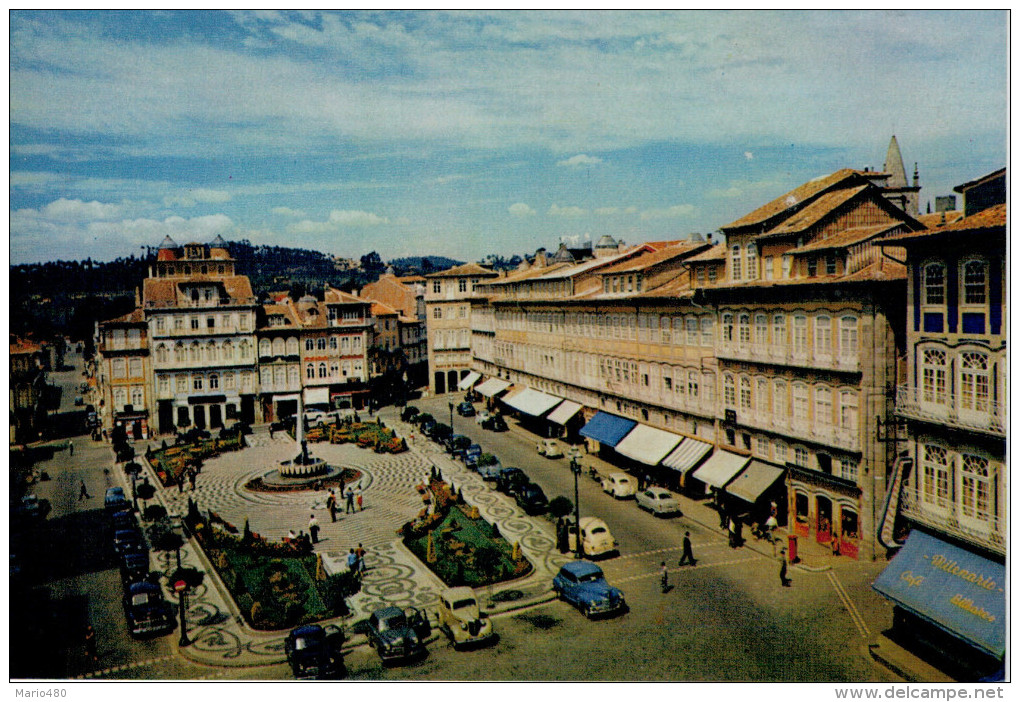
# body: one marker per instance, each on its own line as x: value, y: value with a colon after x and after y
x: 563, y: 413
x: 532, y: 402
x: 468, y: 380
x: 721, y: 468
x: 492, y: 387
x: 686, y: 455
x: 647, y: 444
x: 754, y: 480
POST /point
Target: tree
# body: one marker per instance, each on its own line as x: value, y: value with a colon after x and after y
x: 372, y: 263
x: 145, y: 491
x: 486, y: 562
x: 560, y: 507
x: 167, y: 540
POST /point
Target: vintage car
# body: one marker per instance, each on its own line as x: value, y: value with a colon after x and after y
x: 398, y: 634
x: 488, y: 467
x: 596, y: 540
x: 466, y: 409
x: 31, y: 509
x: 582, y: 584
x: 114, y: 501
x: 462, y: 620
x: 471, y: 455
x: 510, y: 479
x: 658, y: 501
x: 619, y: 485
x: 313, y: 651
x: 456, y: 445
x: 134, y: 568
x: 495, y: 423
x: 531, y: 499
x: 147, y: 612
x: 482, y: 416
x: 550, y: 448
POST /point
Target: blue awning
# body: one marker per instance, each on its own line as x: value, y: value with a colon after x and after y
x: 955, y: 589
x: 607, y: 428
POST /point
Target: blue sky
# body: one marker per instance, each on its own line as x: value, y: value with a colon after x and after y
x: 464, y: 134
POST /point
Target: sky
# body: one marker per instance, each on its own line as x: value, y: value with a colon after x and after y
x: 467, y: 134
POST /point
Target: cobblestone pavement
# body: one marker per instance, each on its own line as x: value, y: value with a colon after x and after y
x: 394, y: 576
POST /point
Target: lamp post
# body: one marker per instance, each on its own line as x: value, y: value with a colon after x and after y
x: 182, y: 591
x: 575, y: 468
x: 451, y: 417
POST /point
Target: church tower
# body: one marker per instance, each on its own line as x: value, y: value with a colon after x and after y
x: 897, y: 190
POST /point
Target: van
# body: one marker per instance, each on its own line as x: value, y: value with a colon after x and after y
x: 596, y: 540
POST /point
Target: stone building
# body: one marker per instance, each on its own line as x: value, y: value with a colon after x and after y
x: 123, y: 370
x: 27, y: 391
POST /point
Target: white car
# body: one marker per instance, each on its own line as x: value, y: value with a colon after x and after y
x: 619, y: 485
x: 596, y: 540
x: 461, y: 618
x: 550, y: 448
x: 482, y: 416
x: 658, y: 501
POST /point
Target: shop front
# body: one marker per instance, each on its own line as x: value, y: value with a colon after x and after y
x: 604, y: 431
x: 687, y: 456
x: 825, y: 508
x: 569, y: 419
x: 758, y: 487
x: 647, y: 447
x: 490, y: 390
x: 530, y: 406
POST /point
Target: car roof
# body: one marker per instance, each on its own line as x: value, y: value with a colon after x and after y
x: 456, y: 593
x: 579, y: 568
x: 307, y: 630
x: 116, y: 490
x: 387, y: 612
x: 143, y: 586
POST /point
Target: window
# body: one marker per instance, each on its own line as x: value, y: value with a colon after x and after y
x: 812, y: 267
x: 975, y: 279
x: 164, y: 384
x: 830, y: 264
x: 848, y: 410
x: 974, y: 386
x: 692, y: 330
x: 848, y: 471
x: 210, y: 323
x: 976, y: 487
x: 745, y: 330
x: 437, y: 286
x: 310, y: 371
x: 713, y: 274
x: 214, y: 381
x: 211, y: 352
x: 322, y: 370
x: 462, y: 285
x: 780, y: 402
x: 245, y: 349
x: 779, y: 450
x: 162, y: 353
x: 800, y: 402
x: 735, y: 262
x: 437, y: 313
x: 766, y: 267
x: 823, y: 406
x: 762, y: 448
x: 119, y: 398
x: 729, y: 391
x: 228, y: 381
x: 119, y: 369
x: 663, y: 327
x: 933, y: 376
x: 320, y: 343
x: 178, y: 324
x: 779, y: 330
x: 309, y: 344
x: 934, y: 284
x: 800, y: 456
x: 823, y: 335
x: 265, y: 348
x: 761, y: 330
x: 706, y: 331
x: 752, y: 262
x: 935, y: 475
x: 708, y: 389
x: 848, y: 337
x: 746, y: 399
x: 134, y: 368
x: 692, y: 385
x: 182, y: 382
x: 787, y: 266
x: 762, y: 395
x: 800, y: 334
x: 197, y: 382
x: 727, y: 327
x: 194, y: 323
x: 333, y: 343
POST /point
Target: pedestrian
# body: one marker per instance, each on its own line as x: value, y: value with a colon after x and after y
x: 331, y: 505
x: 180, y: 483
x: 270, y: 431
x: 352, y: 562
x: 688, y: 554
x: 341, y: 489
x: 70, y: 448
x: 360, y: 553
x: 664, y: 575
x: 785, y: 581
x: 361, y: 499
x: 350, y: 500
x: 313, y: 528
x: 193, y: 478
x: 83, y: 494
x: 834, y: 542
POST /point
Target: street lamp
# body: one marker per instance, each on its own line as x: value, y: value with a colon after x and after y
x: 575, y: 468
x: 182, y: 591
x: 451, y: 417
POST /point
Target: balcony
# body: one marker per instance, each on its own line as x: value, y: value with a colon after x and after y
x: 910, y: 403
x: 785, y: 356
x: 825, y: 435
x: 949, y: 518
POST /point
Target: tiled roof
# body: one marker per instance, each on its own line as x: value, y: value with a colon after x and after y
x: 815, y: 212
x: 793, y: 198
x: 517, y: 276
x: 990, y: 218
x: 135, y: 316
x: 333, y: 295
x: 716, y: 253
x: 937, y: 219
x: 379, y: 308
x: 465, y: 269
x: 411, y: 279
x: 971, y: 183
x: 656, y: 245
x: 845, y: 238
x: 667, y: 253
x: 166, y: 291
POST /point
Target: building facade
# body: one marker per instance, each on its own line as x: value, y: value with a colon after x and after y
x: 123, y: 369
x: 27, y: 391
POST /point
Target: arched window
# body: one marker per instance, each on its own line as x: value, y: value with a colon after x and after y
x: 309, y: 344
x: 727, y: 327
x: 752, y: 262
x: 977, y: 486
x: 214, y: 381
x: 692, y: 385
x: 293, y: 347
x: 933, y: 376
x: 293, y: 376
x: 245, y: 350
x: 934, y: 284
x: 735, y: 262
x: 310, y: 370
x: 823, y: 406
x: 745, y: 330
x: 779, y: 330
x: 321, y: 343
x: 162, y: 353
x: 137, y: 397
x: 211, y: 352
x: 746, y: 398
x: 761, y: 392
x: 823, y: 335
x: 180, y: 355
x: 119, y: 398
x: 333, y: 343
x: 194, y: 353
x: 228, y: 351
x: 935, y: 470
x: 761, y: 330
x: 322, y: 370
x: 848, y: 410
x: 848, y: 336
x: 780, y: 402
x: 279, y: 347
x: 729, y: 391
x: 800, y: 334
x: 974, y: 381
x: 975, y: 282
x: 800, y: 402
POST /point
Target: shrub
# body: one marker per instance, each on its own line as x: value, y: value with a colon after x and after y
x: 560, y: 507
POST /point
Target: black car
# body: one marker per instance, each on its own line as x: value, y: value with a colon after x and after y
x: 495, y: 423
x: 127, y: 541
x: 531, y: 499
x: 427, y: 426
x: 313, y: 651
x: 466, y: 409
x: 147, y: 612
x: 134, y: 568
x: 123, y: 520
x: 457, y: 444
x: 510, y: 479
x: 115, y: 501
x: 398, y: 634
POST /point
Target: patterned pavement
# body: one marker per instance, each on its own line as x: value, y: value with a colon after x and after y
x: 394, y: 576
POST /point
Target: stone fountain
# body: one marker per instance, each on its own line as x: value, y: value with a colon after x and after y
x: 302, y: 469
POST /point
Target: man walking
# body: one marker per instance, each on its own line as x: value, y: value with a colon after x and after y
x: 313, y: 529
x: 688, y: 554
x: 664, y: 575
x: 785, y: 581
x: 352, y: 562
x: 70, y: 448
x: 350, y: 500
x: 360, y: 553
x: 331, y: 505
x: 83, y: 494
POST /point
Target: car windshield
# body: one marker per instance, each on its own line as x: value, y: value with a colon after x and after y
x: 598, y: 530
x: 592, y: 577
x: 303, y: 642
x: 397, y: 621
x: 662, y: 495
x: 142, y: 598
x: 461, y: 604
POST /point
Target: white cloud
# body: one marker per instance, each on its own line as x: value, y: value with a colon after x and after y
x: 580, y: 161
x: 568, y: 211
x: 668, y: 212
x: 748, y: 155
x: 605, y: 211
x: 520, y: 209
x: 732, y: 191
x: 288, y: 212
x: 64, y: 210
x: 339, y: 219
x: 195, y: 195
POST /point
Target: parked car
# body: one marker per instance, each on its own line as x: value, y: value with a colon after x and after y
x: 398, y: 634
x: 134, y: 568
x: 427, y: 425
x: 582, y: 584
x: 550, y: 448
x: 619, y: 485
x: 596, y: 539
x: 658, y: 501
x: 495, y: 423
x: 125, y: 519
x: 409, y: 413
x: 462, y: 620
x: 128, y: 541
x: 456, y: 445
x: 481, y: 416
x: 147, y: 611
x: 466, y: 409
x: 314, y: 651
x: 531, y: 499
x: 32, y: 509
x: 471, y: 455
x: 510, y: 479
x: 114, y: 501
x: 320, y: 415
x: 489, y: 467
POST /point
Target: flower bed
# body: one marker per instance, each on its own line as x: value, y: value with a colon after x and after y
x: 368, y: 435
x: 170, y: 462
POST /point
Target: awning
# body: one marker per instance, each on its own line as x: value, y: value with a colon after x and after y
x: 647, y: 445
x: 468, y: 380
x: 316, y: 396
x: 720, y: 468
x: 532, y: 402
x: 492, y: 386
x: 686, y: 455
x: 563, y: 413
x: 954, y: 589
x: 607, y: 428
x: 754, y: 480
